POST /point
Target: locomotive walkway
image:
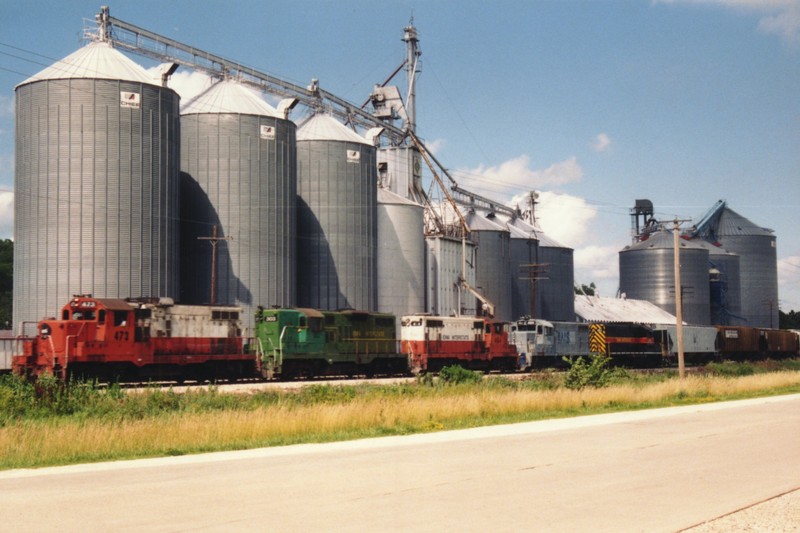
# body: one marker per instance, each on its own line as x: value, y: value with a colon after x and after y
x: 659, y: 470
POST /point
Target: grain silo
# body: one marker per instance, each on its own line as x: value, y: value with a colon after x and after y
x: 524, y: 271
x: 646, y: 272
x: 96, y: 183
x: 555, y: 292
x: 493, y: 261
x: 337, y: 212
x: 758, y: 262
x: 238, y: 178
x: 724, y: 284
x: 401, y: 255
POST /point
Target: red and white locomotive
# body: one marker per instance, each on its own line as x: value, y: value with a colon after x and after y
x: 433, y: 342
x: 144, y: 338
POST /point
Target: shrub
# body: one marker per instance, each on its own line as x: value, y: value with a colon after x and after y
x: 593, y: 371
x: 455, y: 375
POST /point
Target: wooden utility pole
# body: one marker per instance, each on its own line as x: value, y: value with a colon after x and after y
x: 535, y: 272
x: 214, y: 239
x: 678, y: 297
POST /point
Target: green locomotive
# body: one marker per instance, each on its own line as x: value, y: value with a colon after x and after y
x: 299, y: 342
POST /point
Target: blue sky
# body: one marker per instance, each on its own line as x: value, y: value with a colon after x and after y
x: 593, y: 104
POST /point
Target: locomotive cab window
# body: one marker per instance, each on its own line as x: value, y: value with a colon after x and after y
x: 120, y: 318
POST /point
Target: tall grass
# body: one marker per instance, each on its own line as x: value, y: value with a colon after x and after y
x: 116, y: 425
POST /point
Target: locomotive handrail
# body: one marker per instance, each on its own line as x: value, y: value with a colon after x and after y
x: 66, y: 351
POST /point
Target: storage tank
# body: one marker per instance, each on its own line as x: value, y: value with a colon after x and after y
x: 646, y: 272
x: 758, y: 266
x: 238, y: 175
x: 524, y: 271
x: 493, y: 261
x: 555, y: 291
x: 96, y: 183
x: 401, y: 255
x: 337, y: 212
x: 724, y: 284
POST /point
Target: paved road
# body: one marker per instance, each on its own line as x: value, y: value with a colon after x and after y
x: 660, y: 470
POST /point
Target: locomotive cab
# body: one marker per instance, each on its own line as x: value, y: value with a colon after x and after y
x: 101, y: 321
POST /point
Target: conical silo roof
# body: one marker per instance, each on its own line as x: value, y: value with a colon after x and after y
x: 478, y: 222
x: 229, y: 96
x: 323, y: 127
x: 732, y: 223
x: 545, y: 241
x: 385, y: 196
x: 95, y: 61
x: 662, y: 240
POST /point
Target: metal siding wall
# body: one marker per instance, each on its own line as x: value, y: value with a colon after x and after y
x: 758, y: 272
x: 523, y: 252
x: 401, y: 259
x: 86, y: 224
x: 444, y: 263
x: 649, y: 275
x: 247, y: 187
x: 337, y: 230
x: 555, y: 296
x: 493, y: 273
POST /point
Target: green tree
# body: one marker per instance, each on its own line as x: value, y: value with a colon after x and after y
x: 6, y: 282
x: 588, y: 290
x: 790, y: 320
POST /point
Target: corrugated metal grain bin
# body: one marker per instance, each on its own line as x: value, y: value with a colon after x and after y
x: 239, y: 173
x: 493, y: 270
x: 725, y: 284
x: 401, y: 255
x: 337, y: 217
x: 756, y: 247
x: 646, y: 272
x: 96, y: 183
x: 555, y: 292
x: 524, y: 258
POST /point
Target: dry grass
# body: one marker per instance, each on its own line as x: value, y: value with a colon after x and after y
x: 38, y: 443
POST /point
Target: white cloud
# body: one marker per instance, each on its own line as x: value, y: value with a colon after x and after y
x: 6, y: 214
x: 778, y: 17
x: 598, y: 265
x: 187, y: 83
x: 785, y: 23
x: 601, y: 143
x: 435, y: 146
x: 516, y: 175
x: 563, y: 217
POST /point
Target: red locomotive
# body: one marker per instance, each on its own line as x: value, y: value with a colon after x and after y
x: 146, y: 338
x: 433, y: 342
